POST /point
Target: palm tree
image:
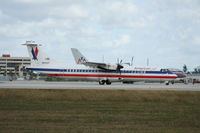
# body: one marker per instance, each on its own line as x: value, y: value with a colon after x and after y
x: 185, y: 68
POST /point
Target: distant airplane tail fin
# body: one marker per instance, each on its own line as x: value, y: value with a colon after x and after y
x: 79, y: 58
x: 38, y: 57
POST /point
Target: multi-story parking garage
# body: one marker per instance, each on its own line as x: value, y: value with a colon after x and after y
x: 13, y: 65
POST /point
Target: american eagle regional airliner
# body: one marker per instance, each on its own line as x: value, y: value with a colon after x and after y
x: 93, y: 71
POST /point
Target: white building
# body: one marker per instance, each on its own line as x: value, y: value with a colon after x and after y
x: 13, y: 65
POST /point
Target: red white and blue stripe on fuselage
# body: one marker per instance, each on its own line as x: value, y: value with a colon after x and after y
x: 97, y: 74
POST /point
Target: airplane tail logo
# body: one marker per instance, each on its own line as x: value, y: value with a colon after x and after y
x: 81, y: 60
x: 35, y: 53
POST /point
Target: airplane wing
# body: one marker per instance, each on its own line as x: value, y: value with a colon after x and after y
x: 94, y: 64
x: 104, y: 66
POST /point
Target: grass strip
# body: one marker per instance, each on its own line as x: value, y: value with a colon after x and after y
x: 99, y: 111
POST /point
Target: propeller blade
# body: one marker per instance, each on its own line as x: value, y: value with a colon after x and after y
x: 120, y: 62
x: 132, y: 61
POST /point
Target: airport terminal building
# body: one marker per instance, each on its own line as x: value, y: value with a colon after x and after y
x: 14, y: 66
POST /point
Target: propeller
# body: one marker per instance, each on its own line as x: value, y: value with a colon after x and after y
x: 119, y: 64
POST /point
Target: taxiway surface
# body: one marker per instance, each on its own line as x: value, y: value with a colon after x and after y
x: 95, y: 85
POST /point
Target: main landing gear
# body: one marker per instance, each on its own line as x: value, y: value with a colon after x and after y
x: 167, y: 83
x: 102, y: 82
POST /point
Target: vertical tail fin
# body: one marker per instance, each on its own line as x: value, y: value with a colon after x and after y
x: 37, y: 56
x: 79, y: 58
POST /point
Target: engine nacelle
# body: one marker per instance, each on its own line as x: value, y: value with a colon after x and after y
x: 116, y: 67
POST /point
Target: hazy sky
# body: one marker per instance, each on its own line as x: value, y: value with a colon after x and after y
x: 165, y: 31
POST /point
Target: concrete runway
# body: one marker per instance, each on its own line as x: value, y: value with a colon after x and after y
x: 95, y: 85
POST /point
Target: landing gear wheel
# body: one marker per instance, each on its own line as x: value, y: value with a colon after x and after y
x: 108, y: 82
x: 102, y: 82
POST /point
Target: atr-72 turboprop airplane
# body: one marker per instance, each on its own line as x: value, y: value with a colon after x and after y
x: 92, y: 71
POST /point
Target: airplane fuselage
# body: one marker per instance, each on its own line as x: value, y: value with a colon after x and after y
x: 99, y: 75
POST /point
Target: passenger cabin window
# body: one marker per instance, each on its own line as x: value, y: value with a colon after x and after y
x: 164, y: 70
